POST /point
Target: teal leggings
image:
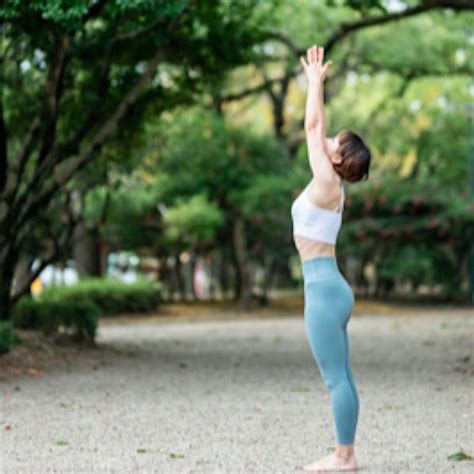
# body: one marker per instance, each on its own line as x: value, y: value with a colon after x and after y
x: 329, y: 301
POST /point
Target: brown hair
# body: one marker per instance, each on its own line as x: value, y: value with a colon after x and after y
x: 356, y: 157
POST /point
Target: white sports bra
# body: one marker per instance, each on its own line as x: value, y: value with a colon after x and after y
x: 316, y: 222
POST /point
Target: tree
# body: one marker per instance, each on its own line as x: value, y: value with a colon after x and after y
x: 76, y: 73
x: 244, y: 175
x: 337, y: 29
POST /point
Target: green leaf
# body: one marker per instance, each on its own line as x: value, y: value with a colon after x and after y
x: 300, y: 388
x: 61, y: 442
x: 459, y: 456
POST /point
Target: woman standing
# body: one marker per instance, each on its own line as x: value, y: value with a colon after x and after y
x: 329, y: 300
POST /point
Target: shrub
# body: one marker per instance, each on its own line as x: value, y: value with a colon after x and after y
x: 7, y: 336
x: 110, y: 295
x: 79, y: 317
x: 24, y: 313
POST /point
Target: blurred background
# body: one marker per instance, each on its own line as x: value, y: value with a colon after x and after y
x: 158, y: 145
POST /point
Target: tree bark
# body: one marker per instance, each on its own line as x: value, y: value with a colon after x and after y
x: 8, y: 262
x: 86, y: 250
x: 21, y: 274
x: 179, y: 277
x: 243, y: 280
x: 192, y: 273
x: 223, y: 273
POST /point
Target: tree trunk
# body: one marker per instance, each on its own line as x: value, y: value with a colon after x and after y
x: 21, y: 274
x: 192, y: 273
x: 179, y: 277
x: 8, y: 261
x: 164, y: 276
x: 223, y: 274
x: 269, y: 269
x: 5, y: 302
x: 86, y: 250
x: 243, y: 280
x: 212, y: 272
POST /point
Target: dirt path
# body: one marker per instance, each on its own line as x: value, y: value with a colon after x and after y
x: 244, y: 396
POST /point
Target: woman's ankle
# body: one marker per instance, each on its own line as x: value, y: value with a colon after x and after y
x: 344, y: 451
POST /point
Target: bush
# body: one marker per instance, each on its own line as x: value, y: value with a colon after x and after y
x: 110, y: 295
x: 24, y: 314
x: 7, y: 336
x: 79, y: 317
x: 414, y: 263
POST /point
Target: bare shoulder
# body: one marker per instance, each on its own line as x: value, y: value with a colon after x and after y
x: 325, y: 192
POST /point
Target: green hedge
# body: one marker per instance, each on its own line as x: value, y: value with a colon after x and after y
x: 79, y: 317
x: 7, y: 336
x: 110, y: 295
x: 77, y: 308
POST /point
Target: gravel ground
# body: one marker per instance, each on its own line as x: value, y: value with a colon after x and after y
x: 245, y: 396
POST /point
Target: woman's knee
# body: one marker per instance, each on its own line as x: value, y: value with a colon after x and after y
x: 332, y: 378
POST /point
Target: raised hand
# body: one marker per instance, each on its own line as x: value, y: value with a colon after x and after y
x: 314, y: 69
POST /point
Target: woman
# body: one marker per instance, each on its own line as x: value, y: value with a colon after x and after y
x: 329, y: 300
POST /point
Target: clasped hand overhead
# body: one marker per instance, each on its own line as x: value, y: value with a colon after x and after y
x: 314, y: 69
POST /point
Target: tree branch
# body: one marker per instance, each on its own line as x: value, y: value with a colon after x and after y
x: 397, y: 93
x: 263, y: 87
x: 64, y: 171
x: 53, y: 90
x: 59, y: 245
x: 349, y: 27
x: 16, y: 169
x: 94, y: 10
x: 3, y: 148
x: 416, y: 70
x: 47, y: 122
x: 103, y: 82
x: 344, y: 30
x: 93, y: 116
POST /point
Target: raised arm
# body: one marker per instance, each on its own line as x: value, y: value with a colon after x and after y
x: 315, y: 118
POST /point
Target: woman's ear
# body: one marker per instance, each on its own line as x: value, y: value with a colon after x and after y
x: 336, y: 158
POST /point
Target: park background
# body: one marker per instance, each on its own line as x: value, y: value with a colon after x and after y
x: 150, y: 151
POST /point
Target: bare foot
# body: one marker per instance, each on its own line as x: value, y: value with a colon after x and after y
x: 332, y: 462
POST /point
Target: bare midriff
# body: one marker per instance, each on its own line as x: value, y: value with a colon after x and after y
x: 310, y: 248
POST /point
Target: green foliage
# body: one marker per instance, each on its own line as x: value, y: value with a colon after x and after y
x: 75, y: 72
x: 411, y: 263
x: 360, y: 5
x: 108, y: 51
x: 192, y: 221
x: 395, y: 211
x: 193, y: 176
x: 110, y: 295
x: 70, y: 14
x: 418, y: 236
x: 7, y: 336
x: 403, y: 89
x: 459, y: 456
x: 79, y: 317
x: 233, y: 171
x: 203, y: 152
x: 132, y: 211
